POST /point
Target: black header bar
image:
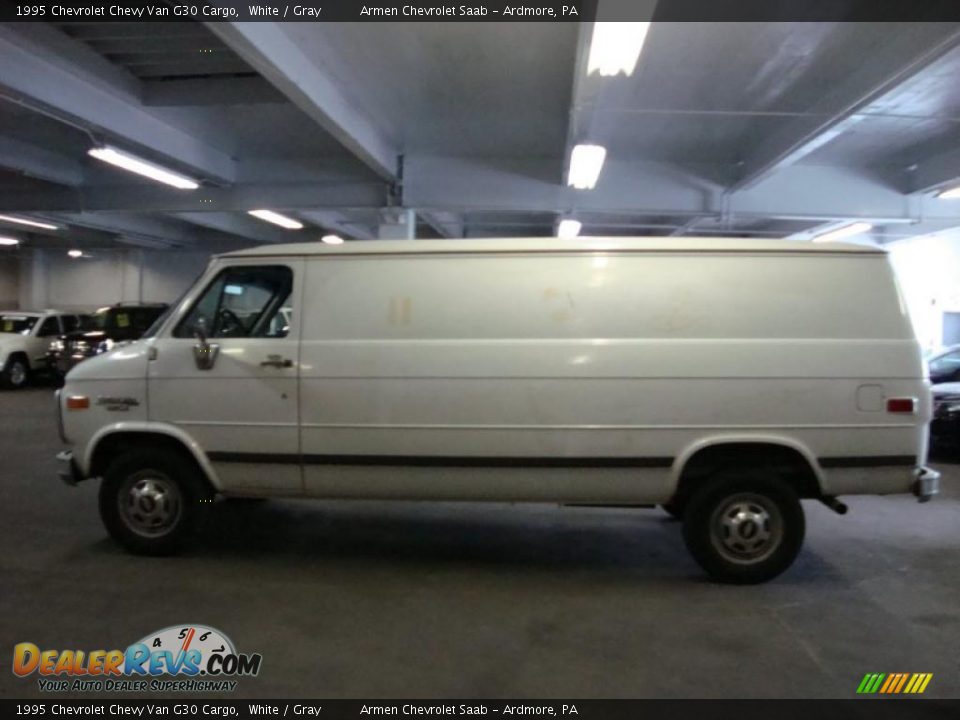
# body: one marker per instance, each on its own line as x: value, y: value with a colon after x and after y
x: 480, y: 10
x: 191, y: 706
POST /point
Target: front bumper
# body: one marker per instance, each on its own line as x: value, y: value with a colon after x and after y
x: 926, y: 484
x: 67, y: 468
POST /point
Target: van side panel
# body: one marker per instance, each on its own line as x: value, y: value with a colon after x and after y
x: 584, y: 377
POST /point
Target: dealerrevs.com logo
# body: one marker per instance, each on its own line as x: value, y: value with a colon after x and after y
x: 185, y: 658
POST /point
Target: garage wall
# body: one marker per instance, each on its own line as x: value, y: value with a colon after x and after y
x: 928, y: 270
x: 10, y: 283
x: 52, y: 279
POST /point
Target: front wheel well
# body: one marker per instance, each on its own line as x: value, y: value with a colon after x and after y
x: 18, y: 355
x: 118, y: 443
x: 782, y: 461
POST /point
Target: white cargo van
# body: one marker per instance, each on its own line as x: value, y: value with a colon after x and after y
x: 722, y: 379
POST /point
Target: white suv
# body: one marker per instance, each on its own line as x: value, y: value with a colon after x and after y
x: 24, y: 339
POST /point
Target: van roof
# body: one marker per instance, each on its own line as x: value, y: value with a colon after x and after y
x: 585, y: 244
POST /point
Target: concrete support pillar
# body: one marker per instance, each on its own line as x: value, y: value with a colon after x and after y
x: 9, y: 282
x: 403, y: 227
x: 34, y: 291
x: 131, y: 264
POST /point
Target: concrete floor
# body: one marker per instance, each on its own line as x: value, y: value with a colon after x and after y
x: 406, y: 600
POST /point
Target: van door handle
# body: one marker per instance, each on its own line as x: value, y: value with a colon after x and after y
x: 277, y: 362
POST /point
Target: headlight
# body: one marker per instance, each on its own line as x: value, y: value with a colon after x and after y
x: 104, y: 346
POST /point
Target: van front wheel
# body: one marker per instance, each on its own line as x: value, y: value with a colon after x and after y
x: 744, y: 528
x: 149, y: 501
x: 15, y: 373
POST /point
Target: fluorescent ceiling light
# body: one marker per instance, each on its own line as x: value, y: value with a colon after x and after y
x: 75, y: 253
x: 586, y: 162
x: 9, y: 241
x: 949, y: 194
x: 25, y: 221
x: 332, y: 240
x: 277, y: 219
x: 615, y: 47
x: 133, y: 164
x: 568, y: 228
x: 845, y: 231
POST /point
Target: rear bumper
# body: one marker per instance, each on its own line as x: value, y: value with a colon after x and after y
x: 67, y: 468
x: 926, y: 484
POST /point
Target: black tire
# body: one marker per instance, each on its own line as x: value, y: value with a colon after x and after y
x: 744, y: 527
x: 170, y: 490
x: 674, y: 509
x: 15, y: 374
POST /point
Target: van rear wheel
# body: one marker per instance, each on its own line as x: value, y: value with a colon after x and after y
x: 150, y: 500
x: 744, y: 528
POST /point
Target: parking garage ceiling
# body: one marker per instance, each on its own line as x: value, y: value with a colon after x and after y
x: 752, y: 129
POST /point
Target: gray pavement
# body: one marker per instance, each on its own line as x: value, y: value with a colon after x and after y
x: 432, y: 600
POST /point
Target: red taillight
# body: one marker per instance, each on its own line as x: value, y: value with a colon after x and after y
x: 78, y: 402
x: 901, y: 405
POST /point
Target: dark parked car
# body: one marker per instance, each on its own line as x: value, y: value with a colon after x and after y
x: 945, y: 426
x: 945, y: 365
x: 104, y: 329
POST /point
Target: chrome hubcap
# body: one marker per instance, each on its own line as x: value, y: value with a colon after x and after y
x: 150, y: 504
x: 18, y: 374
x: 746, y: 528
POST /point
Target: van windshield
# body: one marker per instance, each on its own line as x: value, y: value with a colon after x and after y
x: 162, y: 318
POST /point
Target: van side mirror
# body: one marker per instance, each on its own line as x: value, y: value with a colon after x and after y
x: 204, y: 352
x: 200, y: 330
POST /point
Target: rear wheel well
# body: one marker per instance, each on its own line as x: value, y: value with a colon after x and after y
x: 784, y: 462
x: 118, y: 443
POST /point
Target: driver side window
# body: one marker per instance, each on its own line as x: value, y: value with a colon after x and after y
x: 243, y: 301
x: 50, y: 328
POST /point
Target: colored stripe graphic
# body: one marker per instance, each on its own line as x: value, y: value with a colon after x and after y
x: 891, y: 680
x: 871, y: 683
x: 894, y: 683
